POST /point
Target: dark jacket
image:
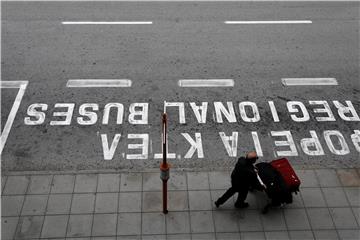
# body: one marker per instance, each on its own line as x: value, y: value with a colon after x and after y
x: 243, y: 176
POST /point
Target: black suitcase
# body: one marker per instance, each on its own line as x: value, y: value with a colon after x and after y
x: 276, y: 188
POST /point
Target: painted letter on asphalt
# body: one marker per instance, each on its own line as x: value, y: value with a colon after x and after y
x: 344, y: 148
x: 200, y: 111
x: 312, y: 146
x: 68, y: 114
x: 92, y: 116
x: 344, y: 110
x: 254, y: 109
x: 144, y: 146
x: 289, y: 142
x: 231, y: 149
x: 142, y: 114
x: 119, y: 116
x: 38, y: 115
x: 195, y: 145
x: 329, y: 116
x: 229, y: 114
x: 109, y: 152
x: 291, y: 105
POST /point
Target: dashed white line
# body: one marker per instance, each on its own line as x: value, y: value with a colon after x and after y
x: 270, y: 22
x: 308, y: 81
x: 206, y: 82
x: 82, y: 83
x: 108, y: 23
x: 12, y: 84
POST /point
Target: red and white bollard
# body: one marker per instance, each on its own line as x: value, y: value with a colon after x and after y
x: 164, y: 167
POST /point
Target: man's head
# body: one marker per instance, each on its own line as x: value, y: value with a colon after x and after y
x: 252, y: 156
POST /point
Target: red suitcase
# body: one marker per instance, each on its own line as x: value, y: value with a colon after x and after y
x: 288, y: 173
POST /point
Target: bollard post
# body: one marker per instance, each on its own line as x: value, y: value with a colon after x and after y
x: 164, y: 167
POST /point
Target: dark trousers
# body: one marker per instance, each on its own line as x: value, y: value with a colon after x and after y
x: 230, y: 192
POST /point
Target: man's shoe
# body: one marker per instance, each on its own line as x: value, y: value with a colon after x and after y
x: 217, y: 204
x: 242, y: 205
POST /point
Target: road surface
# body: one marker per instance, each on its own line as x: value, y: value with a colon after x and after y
x: 151, y: 50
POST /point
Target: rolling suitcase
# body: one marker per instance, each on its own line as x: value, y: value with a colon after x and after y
x: 287, y: 172
x: 276, y: 187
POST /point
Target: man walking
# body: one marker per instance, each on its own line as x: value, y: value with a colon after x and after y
x: 243, y: 177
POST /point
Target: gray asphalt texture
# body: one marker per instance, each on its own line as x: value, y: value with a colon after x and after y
x: 187, y: 40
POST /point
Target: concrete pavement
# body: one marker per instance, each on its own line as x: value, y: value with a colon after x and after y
x: 113, y: 205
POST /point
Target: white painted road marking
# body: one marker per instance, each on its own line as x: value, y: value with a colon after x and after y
x: 12, y: 84
x: 206, y: 82
x: 107, y: 23
x: 98, y: 83
x: 308, y: 81
x: 270, y: 22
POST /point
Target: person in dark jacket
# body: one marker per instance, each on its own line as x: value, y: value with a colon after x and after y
x: 243, y: 178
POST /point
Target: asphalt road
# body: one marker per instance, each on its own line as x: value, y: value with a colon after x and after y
x: 186, y: 40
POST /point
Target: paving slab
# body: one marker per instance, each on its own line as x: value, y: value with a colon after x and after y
x: 8, y: 227
x: 178, y: 201
x: 197, y: 180
x: 301, y: 235
x: 153, y: 223
x: 343, y: 218
x: 85, y: 183
x: 29, y: 227
x: 327, y: 178
x: 131, y: 182
x: 349, y: 234
x: 335, y: 197
x: 201, y: 222
x: 55, y: 226
x: 34, y: 205
x: 16, y: 185
x: 59, y: 204
x: 178, y: 222
x: 226, y: 221
x: 200, y: 200
x: 229, y: 236
x: 249, y: 220
x: 252, y: 235
x: 104, y: 225
x: 313, y: 197
x: 11, y: 205
x: 129, y: 224
x: 349, y: 177
x: 296, y: 219
x: 320, y: 218
x: 130, y: 202
x: 40, y: 184
x: 83, y: 203
x: 79, y: 225
x: 219, y: 180
x: 277, y: 235
x: 326, y: 235
x: 152, y: 202
x: 108, y: 182
x: 63, y: 183
x: 177, y: 181
x: 273, y: 220
x: 106, y: 202
x: 308, y: 178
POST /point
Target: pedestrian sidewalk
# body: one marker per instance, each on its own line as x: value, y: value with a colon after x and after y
x: 110, y: 205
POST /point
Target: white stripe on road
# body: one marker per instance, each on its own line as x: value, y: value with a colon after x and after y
x: 206, y: 82
x: 270, y: 22
x: 308, y: 81
x: 104, y: 23
x: 12, y: 84
x: 99, y: 83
